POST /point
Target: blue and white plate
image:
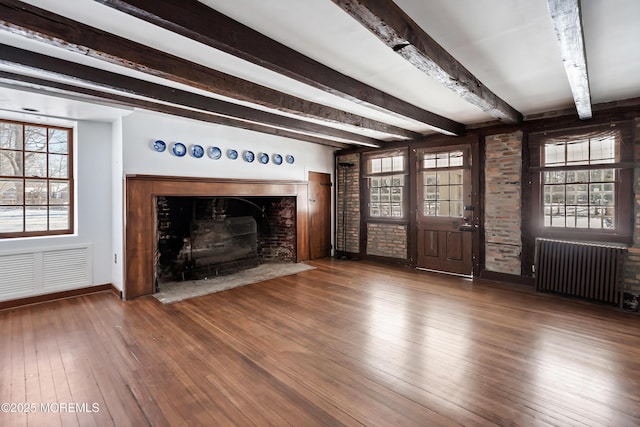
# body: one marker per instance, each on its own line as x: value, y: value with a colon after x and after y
x: 197, y: 151
x: 277, y: 159
x: 263, y: 158
x: 179, y: 149
x: 215, y: 153
x: 159, y: 146
x: 249, y: 156
x: 232, y: 154
x: 290, y: 159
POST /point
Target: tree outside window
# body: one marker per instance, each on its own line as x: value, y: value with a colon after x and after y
x: 36, y: 185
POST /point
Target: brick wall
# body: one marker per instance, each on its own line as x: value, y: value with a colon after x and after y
x: 352, y: 212
x: 279, y: 242
x: 502, y: 203
x: 632, y: 263
x: 388, y: 240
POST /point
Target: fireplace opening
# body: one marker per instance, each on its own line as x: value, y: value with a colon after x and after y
x: 201, y: 237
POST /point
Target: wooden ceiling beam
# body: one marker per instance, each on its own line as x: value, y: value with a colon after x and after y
x: 135, y: 87
x: 65, y: 90
x: 197, y: 21
x: 567, y: 23
x: 23, y: 19
x: 400, y: 33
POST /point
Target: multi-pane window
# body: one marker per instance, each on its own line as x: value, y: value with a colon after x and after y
x: 442, y: 183
x: 582, y: 182
x: 580, y: 198
x: 36, y: 180
x: 386, y: 175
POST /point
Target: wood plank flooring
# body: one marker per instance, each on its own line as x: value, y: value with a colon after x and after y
x: 347, y: 344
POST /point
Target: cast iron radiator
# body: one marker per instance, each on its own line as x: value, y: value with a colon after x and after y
x: 587, y: 270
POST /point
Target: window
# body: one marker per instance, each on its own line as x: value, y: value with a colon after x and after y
x: 583, y: 186
x: 442, y: 183
x: 36, y: 180
x: 386, y: 175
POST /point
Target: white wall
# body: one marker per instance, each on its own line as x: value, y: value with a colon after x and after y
x: 106, y: 152
x: 92, y: 164
x: 117, y: 206
x: 141, y: 129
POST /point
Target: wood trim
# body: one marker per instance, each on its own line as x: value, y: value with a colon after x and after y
x: 402, y: 262
x: 117, y: 292
x: 141, y: 192
x: 38, y: 299
x: 508, y: 278
x: 618, y: 165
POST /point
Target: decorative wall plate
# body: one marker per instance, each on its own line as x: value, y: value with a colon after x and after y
x: 249, y: 156
x: 197, y: 151
x: 277, y: 159
x: 215, y: 153
x: 290, y: 159
x: 179, y: 149
x: 232, y: 154
x: 159, y: 146
x: 263, y: 158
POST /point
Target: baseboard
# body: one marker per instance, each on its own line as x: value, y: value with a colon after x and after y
x: 5, y: 305
x: 373, y: 258
x: 507, y: 278
x: 117, y: 292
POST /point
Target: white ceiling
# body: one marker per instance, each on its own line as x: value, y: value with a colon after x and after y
x: 509, y: 45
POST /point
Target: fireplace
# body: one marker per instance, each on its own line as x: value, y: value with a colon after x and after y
x: 201, y: 237
x: 141, y: 219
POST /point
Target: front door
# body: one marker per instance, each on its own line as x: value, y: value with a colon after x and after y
x: 319, y: 215
x: 445, y: 216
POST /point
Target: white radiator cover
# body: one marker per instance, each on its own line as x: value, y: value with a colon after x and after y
x: 45, y: 271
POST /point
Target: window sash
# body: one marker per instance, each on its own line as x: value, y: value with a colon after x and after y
x: 386, y: 177
x: 36, y: 180
x: 386, y: 163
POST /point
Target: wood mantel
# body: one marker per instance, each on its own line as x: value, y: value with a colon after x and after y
x: 140, y: 216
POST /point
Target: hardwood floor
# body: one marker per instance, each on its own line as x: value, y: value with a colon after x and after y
x: 349, y: 343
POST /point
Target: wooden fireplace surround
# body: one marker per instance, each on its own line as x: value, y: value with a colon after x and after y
x: 141, y: 192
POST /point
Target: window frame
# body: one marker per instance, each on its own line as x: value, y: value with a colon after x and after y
x: 48, y: 178
x: 623, y: 182
x: 368, y: 174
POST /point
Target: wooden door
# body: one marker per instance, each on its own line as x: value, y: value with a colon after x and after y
x: 445, y: 216
x: 319, y: 215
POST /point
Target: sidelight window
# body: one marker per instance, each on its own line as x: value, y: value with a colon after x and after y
x: 36, y: 180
